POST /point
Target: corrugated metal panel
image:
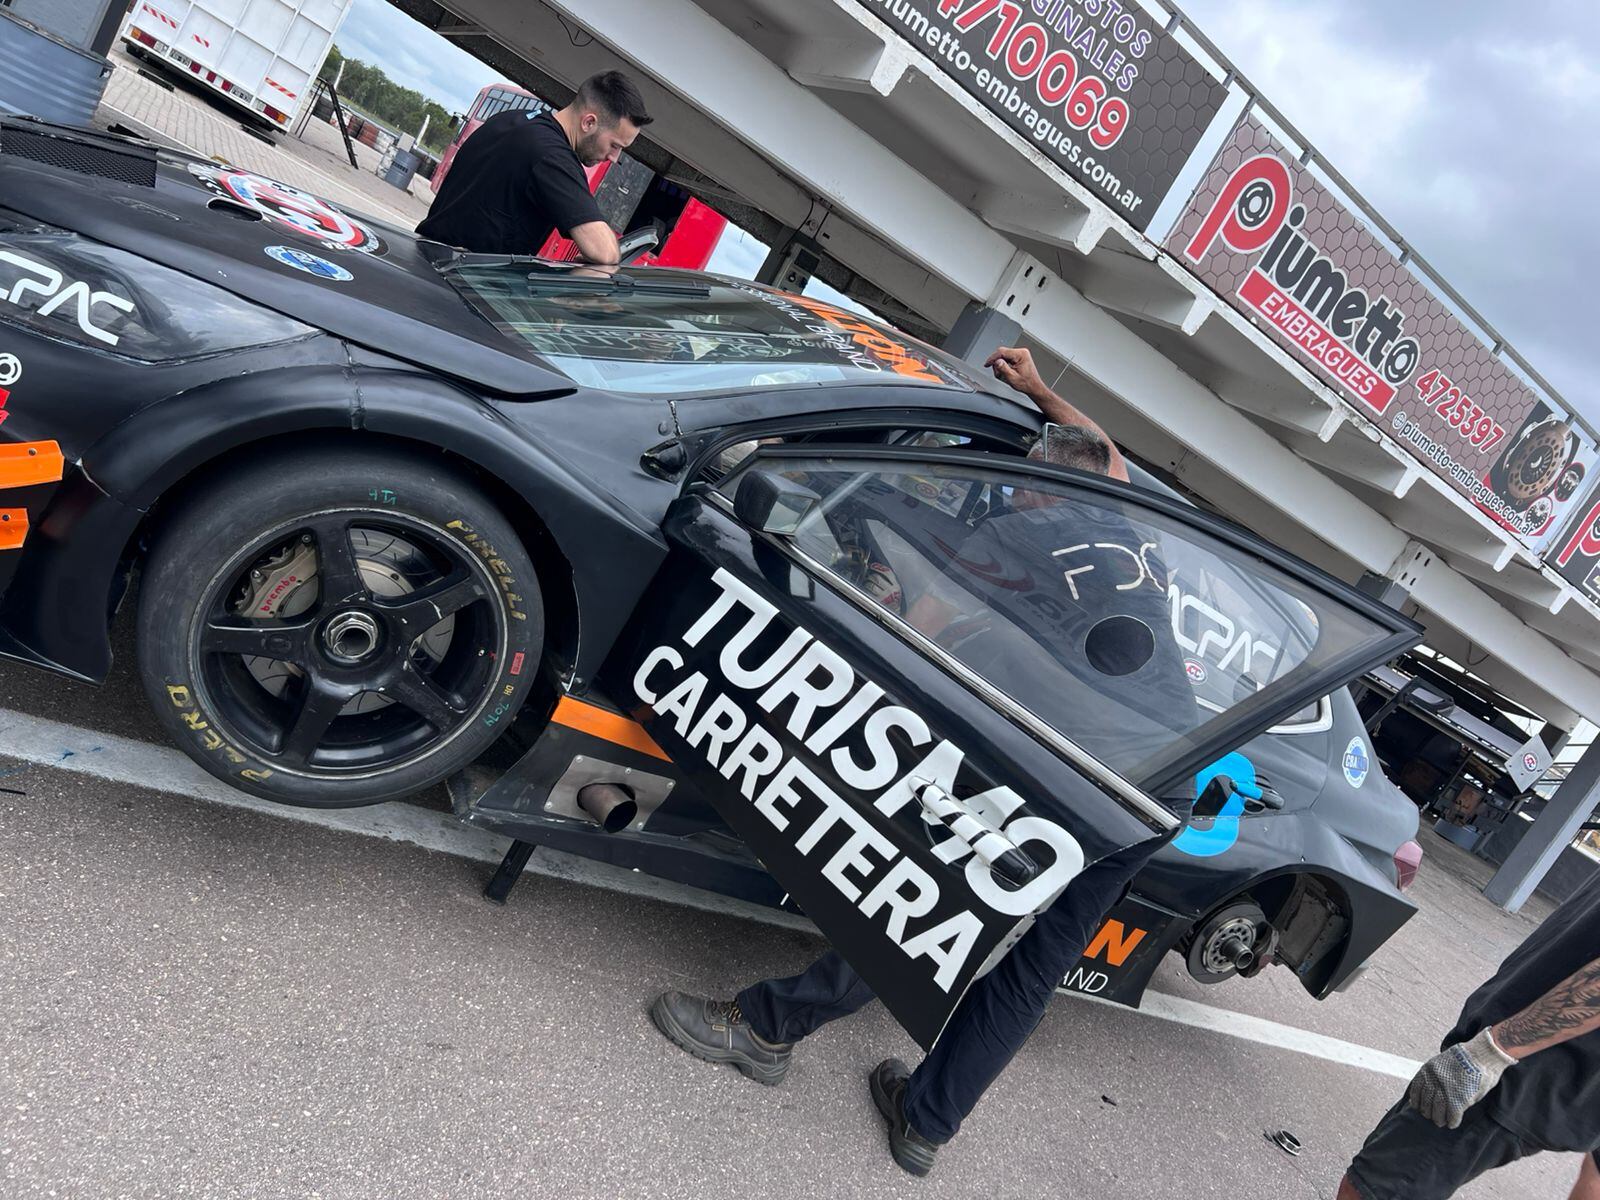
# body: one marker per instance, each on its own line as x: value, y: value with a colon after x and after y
x: 73, y: 21
x: 43, y: 76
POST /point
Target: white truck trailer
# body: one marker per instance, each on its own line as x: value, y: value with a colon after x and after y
x: 262, y: 54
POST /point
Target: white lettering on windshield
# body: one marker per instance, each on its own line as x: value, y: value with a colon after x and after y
x: 1142, y: 573
x: 1217, y: 636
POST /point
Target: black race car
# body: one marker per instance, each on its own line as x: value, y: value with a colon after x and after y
x: 672, y: 570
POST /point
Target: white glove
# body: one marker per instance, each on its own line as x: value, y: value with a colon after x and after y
x: 1456, y: 1078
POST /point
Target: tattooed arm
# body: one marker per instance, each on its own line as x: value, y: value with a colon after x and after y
x: 1568, y: 1010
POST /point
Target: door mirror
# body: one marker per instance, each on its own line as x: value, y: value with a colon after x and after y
x: 772, y: 503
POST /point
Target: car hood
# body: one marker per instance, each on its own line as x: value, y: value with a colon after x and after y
x: 356, y: 277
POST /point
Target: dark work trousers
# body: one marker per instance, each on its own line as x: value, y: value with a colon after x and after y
x: 999, y: 1012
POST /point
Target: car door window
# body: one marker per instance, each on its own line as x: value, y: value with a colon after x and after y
x: 1079, y: 605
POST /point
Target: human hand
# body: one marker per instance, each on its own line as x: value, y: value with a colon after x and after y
x: 1014, y: 367
x: 1456, y: 1078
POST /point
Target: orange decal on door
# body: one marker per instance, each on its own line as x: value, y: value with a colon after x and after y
x: 1114, y: 943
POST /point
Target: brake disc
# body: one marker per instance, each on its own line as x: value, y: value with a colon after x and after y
x: 283, y: 585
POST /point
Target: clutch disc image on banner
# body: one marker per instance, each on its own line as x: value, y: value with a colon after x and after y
x: 1534, y: 463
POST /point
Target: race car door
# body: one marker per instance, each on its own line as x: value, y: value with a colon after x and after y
x: 927, y: 688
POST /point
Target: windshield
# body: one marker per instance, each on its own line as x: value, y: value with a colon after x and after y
x: 1122, y: 628
x: 671, y: 334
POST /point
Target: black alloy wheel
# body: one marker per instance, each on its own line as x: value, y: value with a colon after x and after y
x: 336, y: 628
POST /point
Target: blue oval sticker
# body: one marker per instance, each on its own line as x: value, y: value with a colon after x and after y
x: 1357, y: 762
x: 311, y: 264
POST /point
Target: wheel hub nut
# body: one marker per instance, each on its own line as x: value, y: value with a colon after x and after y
x: 351, y: 636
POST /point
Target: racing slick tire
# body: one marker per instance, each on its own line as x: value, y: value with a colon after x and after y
x: 337, y: 627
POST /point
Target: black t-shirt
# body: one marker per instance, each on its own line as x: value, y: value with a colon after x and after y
x: 1551, y: 1098
x: 513, y: 181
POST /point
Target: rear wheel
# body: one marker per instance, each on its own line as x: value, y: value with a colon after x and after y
x: 338, y: 627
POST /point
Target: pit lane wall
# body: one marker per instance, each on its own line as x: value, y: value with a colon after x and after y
x: 1280, y: 247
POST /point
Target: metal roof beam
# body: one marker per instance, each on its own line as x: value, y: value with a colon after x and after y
x: 850, y: 66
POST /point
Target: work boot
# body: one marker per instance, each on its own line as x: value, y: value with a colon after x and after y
x: 716, y: 1031
x: 910, y: 1149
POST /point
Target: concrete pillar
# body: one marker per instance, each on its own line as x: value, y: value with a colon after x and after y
x: 978, y: 332
x: 1551, y: 833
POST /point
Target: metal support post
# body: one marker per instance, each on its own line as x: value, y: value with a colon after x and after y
x: 978, y: 332
x: 1551, y: 833
x: 790, y: 264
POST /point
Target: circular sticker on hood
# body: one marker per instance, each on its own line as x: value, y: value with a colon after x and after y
x: 1357, y: 762
x: 311, y: 264
x: 285, y: 205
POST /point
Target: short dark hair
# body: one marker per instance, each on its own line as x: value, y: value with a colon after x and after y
x: 612, y: 95
x: 1076, y: 447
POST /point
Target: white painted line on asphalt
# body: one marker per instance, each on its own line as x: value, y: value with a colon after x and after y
x: 164, y: 769
x: 1265, y: 1032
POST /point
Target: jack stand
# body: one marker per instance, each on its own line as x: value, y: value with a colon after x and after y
x: 510, y: 869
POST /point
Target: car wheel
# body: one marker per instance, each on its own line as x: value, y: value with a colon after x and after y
x: 338, y: 627
x: 1225, y: 942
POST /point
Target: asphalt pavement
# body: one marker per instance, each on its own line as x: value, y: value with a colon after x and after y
x: 199, y: 1000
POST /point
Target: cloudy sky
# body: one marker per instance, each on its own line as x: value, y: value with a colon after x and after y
x: 1470, y: 124
x: 411, y: 55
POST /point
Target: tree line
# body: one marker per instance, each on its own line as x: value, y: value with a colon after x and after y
x: 400, y: 108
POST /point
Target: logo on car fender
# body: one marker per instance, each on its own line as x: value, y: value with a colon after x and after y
x: 845, y: 724
x: 57, y: 292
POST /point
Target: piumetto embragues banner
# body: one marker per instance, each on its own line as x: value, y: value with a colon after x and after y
x: 1288, y: 254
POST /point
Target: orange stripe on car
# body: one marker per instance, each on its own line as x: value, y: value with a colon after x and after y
x: 13, y: 528
x: 607, y: 726
x: 23, y: 464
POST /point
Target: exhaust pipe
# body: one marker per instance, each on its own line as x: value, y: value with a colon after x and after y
x: 609, y: 805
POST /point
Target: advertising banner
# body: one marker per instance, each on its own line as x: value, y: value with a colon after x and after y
x: 1576, y: 555
x: 1288, y: 254
x: 1096, y: 85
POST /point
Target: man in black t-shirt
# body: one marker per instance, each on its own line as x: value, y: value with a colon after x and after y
x: 520, y: 176
x: 1519, y: 1073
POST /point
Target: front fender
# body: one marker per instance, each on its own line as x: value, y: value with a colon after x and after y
x: 57, y: 612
